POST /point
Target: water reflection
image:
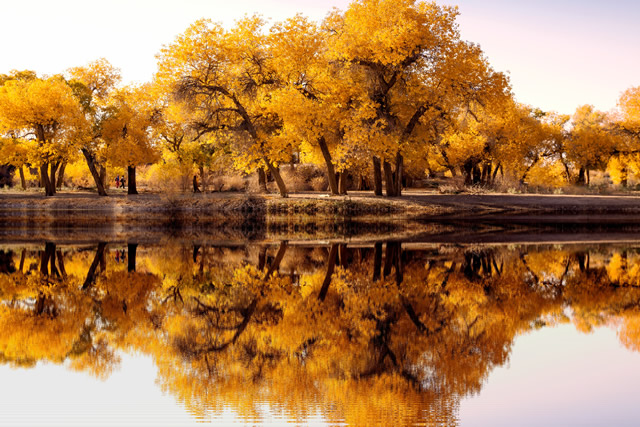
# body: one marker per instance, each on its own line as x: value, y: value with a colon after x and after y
x: 390, y: 332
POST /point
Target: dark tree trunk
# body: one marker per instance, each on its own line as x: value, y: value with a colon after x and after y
x: 495, y: 173
x: 131, y: 257
x: 103, y: 176
x: 203, y: 179
x: 393, y: 180
x: 48, y: 258
x: 275, y: 172
x: 388, y: 178
x: 399, y: 174
x: 377, y: 261
x: 91, y: 274
x: 582, y: 180
x: 331, y: 264
x: 275, y: 265
x: 195, y: 184
x: 49, y: 188
x: 262, y: 180
x: 467, y: 170
x: 342, y: 182
x: 523, y: 178
x: 23, y: 182
x: 331, y: 170
x: 94, y: 172
x: 131, y: 180
x: 52, y: 176
x: 377, y: 176
x: 61, y: 175
x: 23, y: 257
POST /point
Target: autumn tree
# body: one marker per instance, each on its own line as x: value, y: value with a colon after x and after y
x: 46, y: 110
x: 626, y: 158
x: 409, y: 60
x: 127, y: 131
x: 224, y: 78
x: 590, y: 143
x: 92, y: 85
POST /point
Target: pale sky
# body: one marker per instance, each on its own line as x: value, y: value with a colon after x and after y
x: 559, y: 53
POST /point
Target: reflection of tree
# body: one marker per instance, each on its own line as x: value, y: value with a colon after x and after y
x: 360, y: 329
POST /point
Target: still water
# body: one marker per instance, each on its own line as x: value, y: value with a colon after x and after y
x: 357, y: 332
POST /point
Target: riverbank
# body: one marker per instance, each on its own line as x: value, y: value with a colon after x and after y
x: 80, y: 208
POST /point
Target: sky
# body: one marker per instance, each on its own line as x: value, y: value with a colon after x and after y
x: 559, y: 54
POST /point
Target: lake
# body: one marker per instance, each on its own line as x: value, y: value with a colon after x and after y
x: 177, y: 329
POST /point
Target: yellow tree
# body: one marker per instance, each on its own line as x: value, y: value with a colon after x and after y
x: 224, y: 79
x: 407, y: 57
x: 15, y: 151
x: 590, y: 143
x: 127, y: 130
x: 627, y: 157
x: 92, y: 85
x: 46, y: 110
x: 315, y: 95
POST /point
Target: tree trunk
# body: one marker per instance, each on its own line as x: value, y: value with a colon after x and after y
x: 275, y: 172
x: 581, y: 177
x: 94, y: 172
x: 495, y: 173
x: 527, y: 170
x: 467, y: 171
x: 23, y: 182
x: 390, y: 184
x: 262, y: 180
x: 52, y: 177
x: 377, y: 261
x: 399, y: 174
x: 275, y: 265
x: 342, y: 183
x: 23, y: 256
x: 131, y: 257
x: 203, y: 179
x: 331, y: 170
x: 377, y: 176
x: 61, y: 175
x: 44, y: 178
x: 131, y: 177
x: 195, y: 184
x: 331, y: 263
x: 91, y: 274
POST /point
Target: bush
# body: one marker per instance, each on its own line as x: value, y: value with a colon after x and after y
x: 229, y: 183
x: 319, y: 183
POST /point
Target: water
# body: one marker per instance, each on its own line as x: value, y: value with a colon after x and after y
x: 335, y: 332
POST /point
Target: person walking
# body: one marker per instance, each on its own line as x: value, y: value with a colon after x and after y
x: 117, y: 181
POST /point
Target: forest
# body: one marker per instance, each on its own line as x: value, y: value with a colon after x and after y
x: 380, y: 97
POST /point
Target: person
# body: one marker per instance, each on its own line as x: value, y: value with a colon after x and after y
x: 117, y: 181
x: 122, y: 182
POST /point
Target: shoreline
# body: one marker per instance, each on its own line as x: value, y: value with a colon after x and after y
x: 76, y: 208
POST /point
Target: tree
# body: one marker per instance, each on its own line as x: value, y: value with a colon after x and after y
x: 47, y: 111
x: 16, y: 151
x: 127, y: 131
x: 590, y: 143
x: 223, y: 78
x: 92, y: 85
x: 407, y: 57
